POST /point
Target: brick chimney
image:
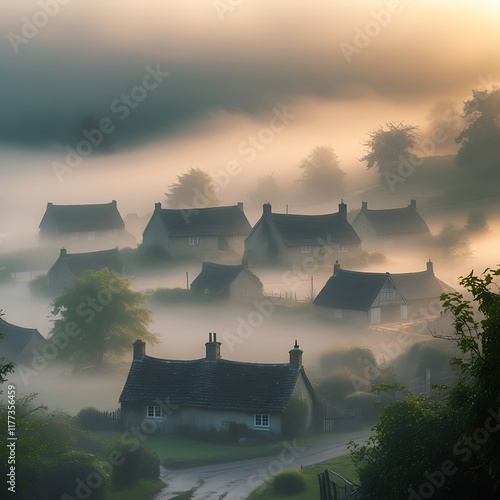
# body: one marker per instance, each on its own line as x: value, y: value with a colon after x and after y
x: 240, y: 205
x: 343, y: 209
x: 212, y: 348
x: 266, y: 209
x: 336, y: 267
x: 139, y: 350
x: 430, y: 267
x: 63, y: 252
x: 364, y: 206
x: 295, y: 357
x: 413, y: 204
x: 158, y: 206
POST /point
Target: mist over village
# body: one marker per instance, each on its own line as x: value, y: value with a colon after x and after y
x: 249, y: 250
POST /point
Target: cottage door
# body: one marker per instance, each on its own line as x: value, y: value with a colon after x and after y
x: 375, y: 316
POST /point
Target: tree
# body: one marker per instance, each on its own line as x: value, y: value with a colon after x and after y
x: 480, y: 139
x: 321, y: 173
x: 267, y: 190
x: 477, y: 222
x: 386, y: 147
x: 193, y: 189
x: 451, y: 438
x: 99, y: 315
x: 5, y: 365
x: 452, y: 241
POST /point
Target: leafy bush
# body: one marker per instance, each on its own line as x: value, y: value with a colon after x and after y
x: 88, y: 417
x: 40, y: 286
x: 289, y: 482
x: 294, y: 419
x: 138, y: 463
x: 334, y: 388
x: 369, y: 403
x: 354, y: 361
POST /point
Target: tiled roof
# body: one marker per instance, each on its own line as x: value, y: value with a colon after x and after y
x: 396, y: 220
x: 78, y: 263
x: 351, y: 290
x: 298, y: 230
x: 76, y: 218
x: 213, y: 221
x: 216, y: 278
x: 221, y: 384
x: 15, y: 338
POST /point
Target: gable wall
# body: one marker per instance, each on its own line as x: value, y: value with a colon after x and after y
x: 155, y: 233
x: 245, y: 288
x: 259, y: 241
x: 302, y: 391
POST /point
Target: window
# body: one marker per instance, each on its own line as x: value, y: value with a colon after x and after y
x: 73, y: 236
x: 343, y: 248
x: 91, y: 235
x: 389, y: 238
x: 237, y: 239
x: 305, y: 249
x: 194, y: 240
x: 338, y: 313
x: 153, y: 411
x: 261, y: 421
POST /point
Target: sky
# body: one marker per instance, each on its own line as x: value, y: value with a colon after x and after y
x: 209, y: 83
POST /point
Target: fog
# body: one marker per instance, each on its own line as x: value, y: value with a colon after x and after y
x: 229, y: 75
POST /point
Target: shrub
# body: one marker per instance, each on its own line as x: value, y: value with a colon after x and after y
x: 289, y: 482
x: 334, y: 388
x: 369, y: 403
x: 138, y: 463
x: 88, y: 418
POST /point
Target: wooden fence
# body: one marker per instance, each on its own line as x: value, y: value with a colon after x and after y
x: 341, y: 419
x: 94, y: 420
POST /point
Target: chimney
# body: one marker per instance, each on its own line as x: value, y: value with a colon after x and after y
x: 336, y: 267
x: 266, y: 209
x: 364, y: 206
x: 212, y: 348
x: 113, y: 202
x: 413, y: 204
x: 139, y: 350
x: 343, y: 209
x: 158, y: 206
x: 240, y: 205
x: 63, y: 252
x: 295, y: 357
x: 430, y: 267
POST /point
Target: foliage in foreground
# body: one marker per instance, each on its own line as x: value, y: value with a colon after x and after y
x: 451, y: 439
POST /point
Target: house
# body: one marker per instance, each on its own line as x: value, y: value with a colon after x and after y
x: 422, y: 290
x: 68, y: 266
x: 84, y: 226
x: 237, y: 283
x: 17, y: 343
x: 293, y: 238
x: 198, y: 232
x: 212, y: 393
x: 380, y: 297
x: 391, y: 227
x: 355, y: 296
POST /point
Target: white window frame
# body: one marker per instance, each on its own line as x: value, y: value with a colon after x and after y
x: 305, y: 249
x: 262, y: 421
x: 91, y: 235
x: 154, y: 411
x: 343, y: 248
x: 338, y: 313
x: 193, y: 240
x: 73, y: 236
x: 389, y: 239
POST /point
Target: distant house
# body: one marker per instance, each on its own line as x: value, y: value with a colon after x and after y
x: 17, y: 343
x: 68, y: 266
x: 392, y: 226
x: 212, y: 393
x: 380, y: 297
x: 422, y: 290
x: 198, y: 232
x: 84, y: 226
x: 361, y: 297
x: 294, y: 238
x: 228, y: 282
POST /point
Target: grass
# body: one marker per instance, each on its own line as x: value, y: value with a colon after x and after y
x: 143, y: 490
x: 177, y: 452
x: 342, y: 465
